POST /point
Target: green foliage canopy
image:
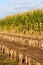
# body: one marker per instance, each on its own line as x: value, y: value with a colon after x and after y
x: 27, y: 21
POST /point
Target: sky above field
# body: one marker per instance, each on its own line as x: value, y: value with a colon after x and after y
x: 8, y: 7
